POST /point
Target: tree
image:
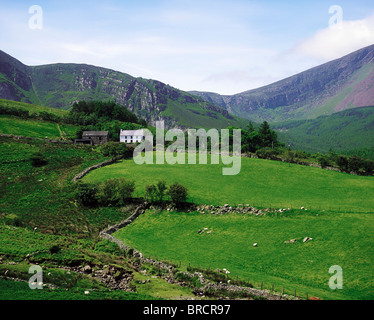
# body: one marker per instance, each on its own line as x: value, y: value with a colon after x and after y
x: 125, y: 190
x: 150, y: 192
x: 268, y: 137
x: 113, y: 149
x: 108, y: 193
x: 355, y: 164
x: 160, y: 190
x: 342, y: 163
x: 178, y: 193
x: 86, y: 194
x: 323, y: 160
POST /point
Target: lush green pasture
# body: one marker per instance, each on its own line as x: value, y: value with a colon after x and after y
x: 262, y: 183
x: 35, y: 128
x: 338, y: 239
x: 32, y: 108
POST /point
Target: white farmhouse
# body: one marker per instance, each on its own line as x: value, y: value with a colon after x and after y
x: 131, y: 136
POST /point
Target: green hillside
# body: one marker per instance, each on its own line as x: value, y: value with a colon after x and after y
x: 35, y: 128
x: 32, y: 108
x: 346, y: 130
x: 337, y: 239
x: 263, y: 183
x: 60, y: 85
x: 32, y: 125
x: 338, y: 217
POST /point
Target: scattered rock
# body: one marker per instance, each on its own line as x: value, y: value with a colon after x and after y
x: 290, y: 241
x: 87, y: 269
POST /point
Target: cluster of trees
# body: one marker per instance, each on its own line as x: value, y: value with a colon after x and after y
x: 119, y: 191
x: 92, y: 112
x: 262, y: 138
x: 349, y: 164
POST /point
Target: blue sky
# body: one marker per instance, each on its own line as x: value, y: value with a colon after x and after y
x: 220, y: 46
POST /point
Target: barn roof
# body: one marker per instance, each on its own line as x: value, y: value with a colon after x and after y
x: 95, y: 133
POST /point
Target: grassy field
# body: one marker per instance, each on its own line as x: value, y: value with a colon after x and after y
x: 35, y: 128
x: 338, y: 239
x: 339, y: 219
x: 32, y: 108
x: 262, y: 183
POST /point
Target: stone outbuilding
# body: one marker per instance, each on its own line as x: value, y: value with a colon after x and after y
x: 94, y: 137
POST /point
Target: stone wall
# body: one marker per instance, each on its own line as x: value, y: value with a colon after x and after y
x: 170, y: 276
x: 107, y: 233
x: 96, y: 166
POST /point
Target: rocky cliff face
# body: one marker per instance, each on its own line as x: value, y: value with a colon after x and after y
x: 337, y: 85
x: 60, y: 85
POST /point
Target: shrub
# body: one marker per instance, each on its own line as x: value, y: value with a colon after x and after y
x: 322, y: 160
x: 113, y: 149
x: 355, y: 164
x: 150, y: 192
x: 116, y: 191
x: 368, y: 166
x: 178, y: 193
x: 342, y: 163
x: 86, y: 194
x: 161, y: 188
x: 37, y: 160
x: 125, y: 190
x: 268, y: 153
x: 108, y: 192
x: 54, y: 249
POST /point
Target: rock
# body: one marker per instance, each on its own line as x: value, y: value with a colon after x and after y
x: 255, y: 245
x: 307, y: 239
x: 87, y: 269
x: 290, y: 241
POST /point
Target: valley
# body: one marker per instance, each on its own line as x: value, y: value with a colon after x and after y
x: 307, y: 174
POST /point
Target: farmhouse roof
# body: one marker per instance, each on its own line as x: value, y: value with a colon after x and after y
x: 139, y: 132
x: 95, y: 133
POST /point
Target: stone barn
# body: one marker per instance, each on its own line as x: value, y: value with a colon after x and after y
x: 94, y: 137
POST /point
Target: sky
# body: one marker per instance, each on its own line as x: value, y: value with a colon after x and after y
x: 222, y: 46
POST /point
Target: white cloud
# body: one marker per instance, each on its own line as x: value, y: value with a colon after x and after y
x: 332, y: 43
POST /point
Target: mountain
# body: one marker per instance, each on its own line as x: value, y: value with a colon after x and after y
x: 60, y: 85
x: 349, y: 129
x: 337, y: 85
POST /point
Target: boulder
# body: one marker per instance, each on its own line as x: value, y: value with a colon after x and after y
x: 87, y: 269
x: 307, y: 239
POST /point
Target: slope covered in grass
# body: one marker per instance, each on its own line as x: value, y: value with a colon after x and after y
x: 337, y: 239
x: 263, y: 183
